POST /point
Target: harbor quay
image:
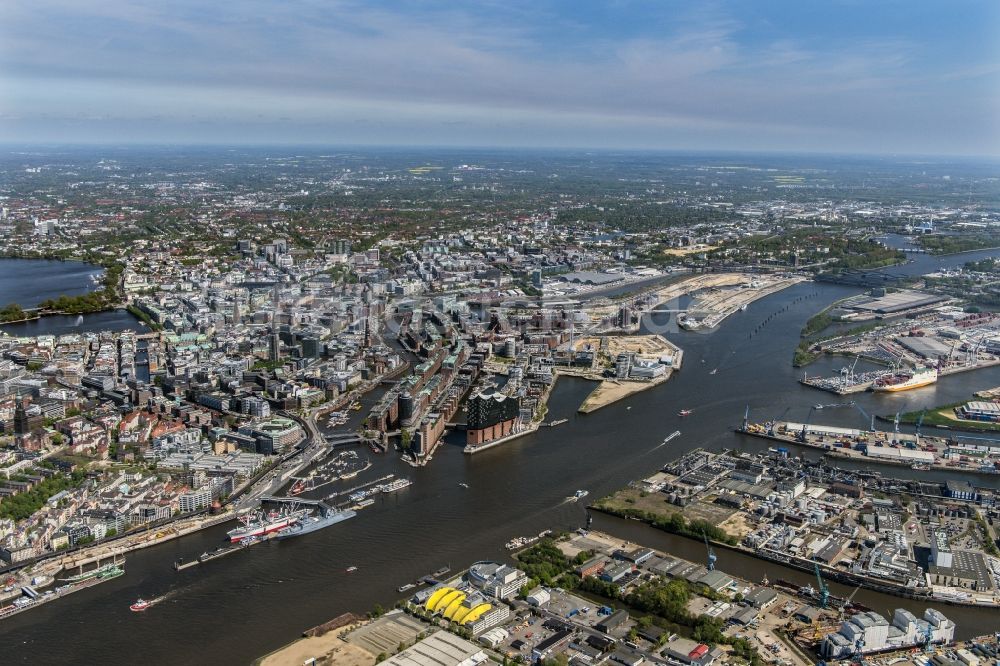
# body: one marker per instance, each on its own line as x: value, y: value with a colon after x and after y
x: 920, y: 540
x: 589, y: 597
x: 916, y: 451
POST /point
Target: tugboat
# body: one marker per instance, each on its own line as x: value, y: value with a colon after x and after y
x: 140, y: 605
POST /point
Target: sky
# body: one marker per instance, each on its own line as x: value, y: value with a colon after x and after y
x: 841, y: 76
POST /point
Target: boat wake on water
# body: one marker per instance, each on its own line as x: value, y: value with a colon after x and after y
x: 666, y: 440
x: 142, y: 605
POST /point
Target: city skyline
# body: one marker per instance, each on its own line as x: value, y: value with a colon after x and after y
x: 847, y: 77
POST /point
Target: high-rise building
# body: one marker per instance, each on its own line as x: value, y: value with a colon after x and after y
x: 275, y: 347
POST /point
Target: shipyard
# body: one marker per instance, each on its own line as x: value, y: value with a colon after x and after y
x: 955, y: 453
x: 908, y: 538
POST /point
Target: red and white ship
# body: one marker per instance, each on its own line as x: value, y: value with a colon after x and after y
x: 140, y: 606
x: 258, y: 524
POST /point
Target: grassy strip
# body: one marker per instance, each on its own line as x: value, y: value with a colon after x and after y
x: 934, y: 418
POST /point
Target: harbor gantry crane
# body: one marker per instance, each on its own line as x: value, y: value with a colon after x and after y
x: 822, y: 589
x: 805, y: 426
x: 916, y: 429
x: 711, y: 554
x: 868, y: 417
x: 774, y: 421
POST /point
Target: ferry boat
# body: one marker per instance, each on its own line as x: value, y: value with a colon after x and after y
x: 905, y: 380
x: 139, y: 606
x: 256, y: 525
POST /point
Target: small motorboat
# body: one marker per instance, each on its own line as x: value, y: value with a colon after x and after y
x: 351, y: 569
x: 685, y: 412
x: 139, y: 606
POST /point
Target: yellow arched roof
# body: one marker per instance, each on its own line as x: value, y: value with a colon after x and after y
x: 461, y: 613
x: 444, y: 601
x: 454, y: 606
x: 475, y: 614
x: 432, y: 601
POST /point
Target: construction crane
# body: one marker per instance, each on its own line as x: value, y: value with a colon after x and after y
x: 822, y: 589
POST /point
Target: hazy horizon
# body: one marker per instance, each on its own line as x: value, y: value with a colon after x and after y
x: 844, y: 78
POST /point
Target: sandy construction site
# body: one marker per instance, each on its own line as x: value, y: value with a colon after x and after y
x: 719, y: 295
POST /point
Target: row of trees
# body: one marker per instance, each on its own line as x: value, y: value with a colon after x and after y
x: 675, y: 523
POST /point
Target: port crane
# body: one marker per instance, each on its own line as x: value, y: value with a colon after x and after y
x: 711, y: 553
x: 859, y: 656
x: 928, y: 636
x: 774, y: 421
x: 844, y: 604
x: 847, y: 376
x: 822, y: 589
x: 868, y: 417
x: 916, y: 429
x: 833, y: 405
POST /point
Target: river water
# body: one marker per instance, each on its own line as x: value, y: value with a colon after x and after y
x: 232, y: 610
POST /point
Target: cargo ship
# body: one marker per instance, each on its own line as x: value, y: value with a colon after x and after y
x: 258, y: 524
x: 314, y: 523
x: 905, y: 380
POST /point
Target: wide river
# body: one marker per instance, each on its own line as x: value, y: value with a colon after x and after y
x: 237, y: 608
